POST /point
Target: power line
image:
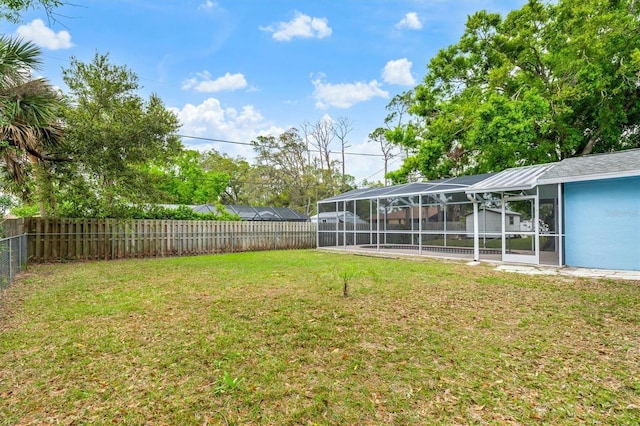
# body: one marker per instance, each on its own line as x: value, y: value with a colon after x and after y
x: 214, y: 140
x: 379, y: 171
x: 363, y: 154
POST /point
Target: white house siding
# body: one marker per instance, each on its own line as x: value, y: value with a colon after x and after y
x: 490, y: 221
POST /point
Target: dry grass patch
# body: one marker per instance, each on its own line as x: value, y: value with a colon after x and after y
x: 268, y: 338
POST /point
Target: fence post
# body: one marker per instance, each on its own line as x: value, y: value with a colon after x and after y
x: 275, y: 239
x: 10, y: 262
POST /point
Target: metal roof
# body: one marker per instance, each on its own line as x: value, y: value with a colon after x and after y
x: 597, y: 166
x: 516, y: 179
x: 456, y: 184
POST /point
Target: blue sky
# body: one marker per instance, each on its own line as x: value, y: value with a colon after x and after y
x: 235, y: 69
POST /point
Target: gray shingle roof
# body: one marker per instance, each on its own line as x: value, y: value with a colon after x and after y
x: 278, y: 214
x: 596, y: 166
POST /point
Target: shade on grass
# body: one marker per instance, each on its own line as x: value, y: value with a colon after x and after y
x: 268, y: 338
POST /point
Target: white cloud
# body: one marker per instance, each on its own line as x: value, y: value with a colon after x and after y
x: 398, y: 72
x: 204, y: 83
x: 410, y: 21
x: 211, y: 120
x: 37, y: 32
x: 344, y: 95
x: 208, y: 5
x: 302, y: 26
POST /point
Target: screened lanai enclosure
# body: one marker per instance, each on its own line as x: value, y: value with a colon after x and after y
x: 505, y: 216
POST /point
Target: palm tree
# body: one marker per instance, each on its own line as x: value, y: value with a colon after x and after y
x: 29, y: 125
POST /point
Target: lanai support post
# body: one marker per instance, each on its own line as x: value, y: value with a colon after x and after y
x: 476, y: 228
x: 337, y: 228
x: 370, y: 223
x: 378, y: 224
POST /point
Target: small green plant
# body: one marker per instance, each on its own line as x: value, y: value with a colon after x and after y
x: 346, y: 275
x: 226, y: 383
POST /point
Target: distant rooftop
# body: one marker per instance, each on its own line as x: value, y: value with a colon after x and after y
x: 279, y: 214
x: 251, y: 213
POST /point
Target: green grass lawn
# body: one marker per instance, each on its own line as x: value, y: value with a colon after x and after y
x: 268, y: 338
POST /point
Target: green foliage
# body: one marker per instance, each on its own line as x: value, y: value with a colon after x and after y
x: 227, y: 384
x: 30, y: 128
x: 120, y: 211
x: 186, y: 213
x: 11, y: 10
x: 549, y: 81
x: 25, y: 210
x: 186, y: 181
x: 346, y: 275
x: 6, y: 203
x: 114, y: 136
x: 238, y: 172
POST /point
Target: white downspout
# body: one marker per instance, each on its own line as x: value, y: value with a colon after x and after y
x: 420, y: 224
x: 560, y: 225
x: 476, y: 228
x: 503, y: 227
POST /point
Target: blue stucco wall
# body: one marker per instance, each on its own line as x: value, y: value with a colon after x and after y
x: 602, y: 223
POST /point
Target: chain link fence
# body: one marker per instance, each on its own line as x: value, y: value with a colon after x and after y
x: 13, y: 258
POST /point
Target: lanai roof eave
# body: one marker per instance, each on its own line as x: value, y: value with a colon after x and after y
x: 514, y: 179
x: 448, y: 185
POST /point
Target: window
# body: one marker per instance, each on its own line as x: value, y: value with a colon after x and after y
x: 511, y: 220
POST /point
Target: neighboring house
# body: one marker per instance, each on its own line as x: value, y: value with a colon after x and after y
x: 490, y: 220
x: 409, y: 215
x: 250, y: 213
x: 272, y: 214
x: 337, y: 217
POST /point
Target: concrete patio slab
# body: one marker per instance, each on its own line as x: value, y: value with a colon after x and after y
x: 571, y: 272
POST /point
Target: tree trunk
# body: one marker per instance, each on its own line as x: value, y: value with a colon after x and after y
x: 44, y: 193
x: 589, y: 146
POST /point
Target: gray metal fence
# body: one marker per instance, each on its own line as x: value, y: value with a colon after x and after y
x: 13, y: 258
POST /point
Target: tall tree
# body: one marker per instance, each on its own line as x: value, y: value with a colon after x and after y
x: 185, y: 180
x: 379, y: 137
x: 113, y: 133
x: 283, y: 171
x: 283, y: 175
x: 320, y: 135
x: 238, y: 171
x: 550, y: 81
x: 341, y: 129
x: 30, y: 128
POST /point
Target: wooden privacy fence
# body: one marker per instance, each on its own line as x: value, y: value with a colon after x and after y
x: 51, y: 240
